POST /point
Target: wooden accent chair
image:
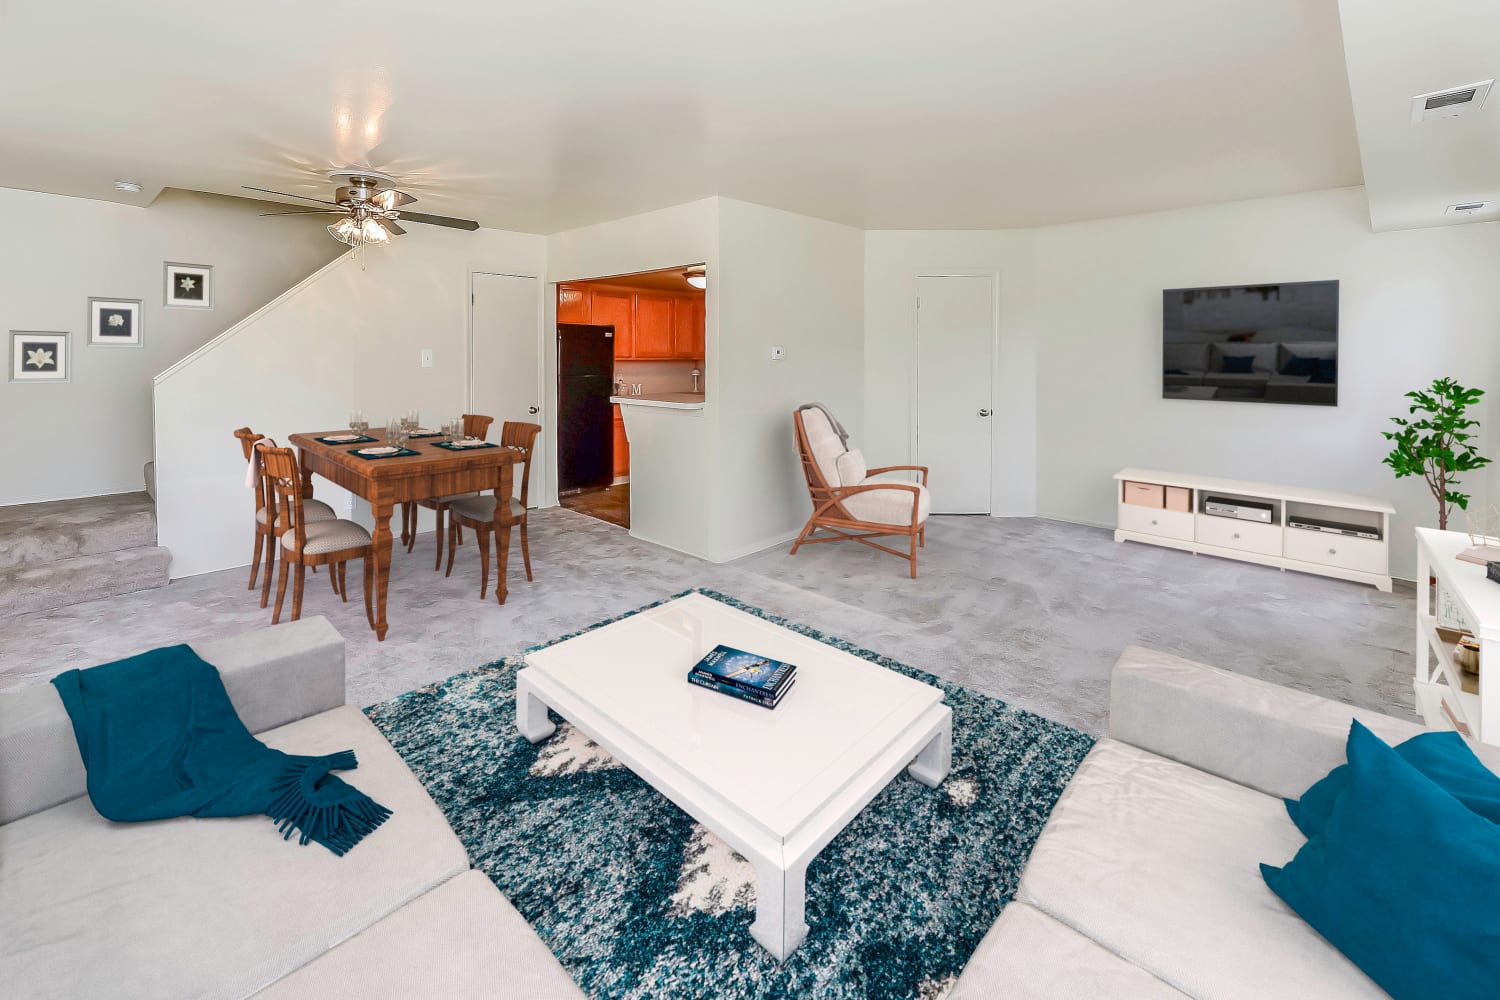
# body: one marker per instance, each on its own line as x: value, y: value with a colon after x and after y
x: 847, y: 503
x: 265, y: 509
x: 477, y: 510
x: 311, y: 543
x: 476, y: 425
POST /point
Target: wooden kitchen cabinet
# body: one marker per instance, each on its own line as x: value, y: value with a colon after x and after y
x: 573, y: 304
x: 653, y: 326
x: 687, y: 328
x: 617, y: 309
x: 622, y: 446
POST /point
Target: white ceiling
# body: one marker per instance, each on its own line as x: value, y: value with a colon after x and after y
x: 552, y: 114
x: 1397, y: 49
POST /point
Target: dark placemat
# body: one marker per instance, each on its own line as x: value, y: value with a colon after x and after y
x: 427, y: 434
x: 363, y: 439
x: 395, y: 454
x: 473, y: 447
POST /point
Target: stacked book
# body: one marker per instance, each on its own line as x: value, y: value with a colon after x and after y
x: 759, y: 680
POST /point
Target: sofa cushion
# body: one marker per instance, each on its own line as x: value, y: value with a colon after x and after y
x: 824, y: 443
x: 210, y: 907
x: 1027, y: 955
x: 1159, y: 863
x: 889, y: 506
x: 1185, y: 357
x: 462, y: 939
x: 1262, y: 357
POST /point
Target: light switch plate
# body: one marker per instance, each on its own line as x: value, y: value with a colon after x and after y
x: 778, y: 354
x: 426, y: 357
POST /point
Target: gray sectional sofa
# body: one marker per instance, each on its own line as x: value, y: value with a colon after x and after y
x: 225, y: 908
x: 1145, y: 883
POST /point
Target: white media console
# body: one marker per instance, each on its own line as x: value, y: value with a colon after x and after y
x: 1168, y: 508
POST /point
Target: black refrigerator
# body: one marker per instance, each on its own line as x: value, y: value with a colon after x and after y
x: 585, y: 420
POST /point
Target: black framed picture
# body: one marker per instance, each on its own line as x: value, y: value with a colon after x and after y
x: 37, y: 356
x: 190, y: 286
x: 115, y: 321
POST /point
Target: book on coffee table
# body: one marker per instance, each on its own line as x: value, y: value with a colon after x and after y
x: 743, y: 694
x: 762, y: 678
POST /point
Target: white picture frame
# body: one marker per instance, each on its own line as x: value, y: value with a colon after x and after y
x: 188, y: 286
x: 115, y: 322
x: 39, y: 356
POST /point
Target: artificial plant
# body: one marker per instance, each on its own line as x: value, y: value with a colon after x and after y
x: 1438, y: 445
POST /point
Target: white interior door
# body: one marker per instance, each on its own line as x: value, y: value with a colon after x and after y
x: 955, y: 392
x: 505, y: 375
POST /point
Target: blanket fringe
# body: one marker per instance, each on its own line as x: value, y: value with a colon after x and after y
x: 322, y: 807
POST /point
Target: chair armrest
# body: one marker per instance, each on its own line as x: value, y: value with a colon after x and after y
x: 899, y: 468
x: 1267, y: 737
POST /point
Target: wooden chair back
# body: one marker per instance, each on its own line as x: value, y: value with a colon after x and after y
x: 247, y: 439
x: 477, y: 425
x: 515, y: 434
x: 282, y: 475
x: 818, y: 487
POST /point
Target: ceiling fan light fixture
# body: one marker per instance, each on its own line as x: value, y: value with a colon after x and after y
x: 373, y: 232
x: 696, y: 276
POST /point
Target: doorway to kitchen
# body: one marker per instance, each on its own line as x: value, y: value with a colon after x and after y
x: 628, y: 340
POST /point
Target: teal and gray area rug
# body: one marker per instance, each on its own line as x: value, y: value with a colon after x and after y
x: 637, y: 900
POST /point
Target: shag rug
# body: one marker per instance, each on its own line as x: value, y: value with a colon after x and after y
x: 637, y: 900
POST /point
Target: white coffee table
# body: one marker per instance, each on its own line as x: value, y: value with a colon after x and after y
x: 776, y: 784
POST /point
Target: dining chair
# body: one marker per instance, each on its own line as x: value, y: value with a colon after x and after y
x: 265, y: 509
x: 311, y: 543
x: 476, y: 425
x: 477, y: 510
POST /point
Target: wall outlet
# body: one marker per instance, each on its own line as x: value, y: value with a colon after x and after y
x: 426, y: 357
x: 778, y: 354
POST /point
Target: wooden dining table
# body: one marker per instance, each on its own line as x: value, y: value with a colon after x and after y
x: 387, y: 482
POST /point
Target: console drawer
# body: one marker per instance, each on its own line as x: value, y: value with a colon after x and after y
x: 1247, y: 536
x: 1145, y: 494
x: 1363, y: 555
x: 1156, y: 521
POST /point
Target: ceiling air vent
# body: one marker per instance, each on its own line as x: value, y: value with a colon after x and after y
x: 1467, y: 208
x: 1449, y: 103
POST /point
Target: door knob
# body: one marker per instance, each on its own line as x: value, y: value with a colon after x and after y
x: 985, y: 413
x: 531, y: 409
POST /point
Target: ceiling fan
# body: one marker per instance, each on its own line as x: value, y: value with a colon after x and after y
x: 370, y: 207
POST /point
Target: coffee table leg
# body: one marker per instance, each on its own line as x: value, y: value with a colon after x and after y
x: 531, y: 712
x: 780, y: 909
x: 932, y: 764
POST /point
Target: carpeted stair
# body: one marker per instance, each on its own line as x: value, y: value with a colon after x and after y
x: 70, y: 551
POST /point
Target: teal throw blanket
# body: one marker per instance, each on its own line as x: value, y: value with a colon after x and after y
x: 160, y: 738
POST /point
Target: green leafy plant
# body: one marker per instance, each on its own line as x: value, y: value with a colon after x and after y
x: 1437, y: 445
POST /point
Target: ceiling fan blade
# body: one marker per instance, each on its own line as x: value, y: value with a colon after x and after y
x: 391, y: 199
x: 439, y: 220
x: 288, y: 194
x: 303, y: 211
x: 392, y: 228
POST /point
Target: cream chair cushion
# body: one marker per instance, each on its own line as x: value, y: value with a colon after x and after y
x: 851, y: 467
x: 825, y: 444
x: 889, y: 506
x: 481, y: 507
x: 328, y: 536
x: 312, y: 510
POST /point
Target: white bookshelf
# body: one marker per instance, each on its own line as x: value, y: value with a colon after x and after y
x: 1360, y: 560
x: 1447, y: 698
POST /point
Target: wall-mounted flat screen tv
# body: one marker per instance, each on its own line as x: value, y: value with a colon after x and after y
x: 1252, y: 343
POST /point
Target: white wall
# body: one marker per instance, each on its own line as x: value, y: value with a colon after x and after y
x: 1415, y: 305
x: 56, y: 252
x: 673, y: 453
x: 796, y: 282
x: 894, y: 259
x: 348, y: 337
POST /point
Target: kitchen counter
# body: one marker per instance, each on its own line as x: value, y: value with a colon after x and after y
x: 667, y: 400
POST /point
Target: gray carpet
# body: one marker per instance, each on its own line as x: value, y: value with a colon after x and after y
x: 1030, y: 611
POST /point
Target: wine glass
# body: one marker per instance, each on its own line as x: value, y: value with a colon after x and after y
x: 452, y: 428
x: 393, y: 430
x: 357, y: 422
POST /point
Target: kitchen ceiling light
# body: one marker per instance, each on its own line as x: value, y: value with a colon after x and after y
x: 696, y: 276
x: 127, y: 187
